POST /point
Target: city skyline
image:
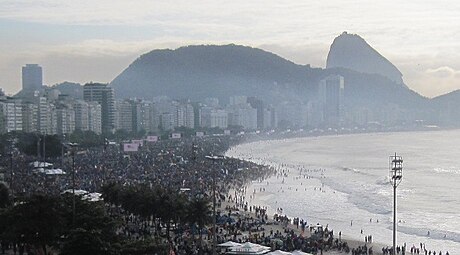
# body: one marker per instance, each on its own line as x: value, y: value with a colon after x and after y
x: 89, y: 41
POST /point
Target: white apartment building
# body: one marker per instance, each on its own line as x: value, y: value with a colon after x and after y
x: 95, y: 117
x: 65, y: 118
x: 123, y: 115
x: 185, y: 116
x: 88, y: 116
x: 243, y: 115
x: 211, y: 118
x: 11, y: 114
x: 30, y: 117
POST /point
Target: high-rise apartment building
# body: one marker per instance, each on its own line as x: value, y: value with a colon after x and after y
x: 331, y: 95
x: 211, y: 117
x: 147, y: 117
x: 185, y: 115
x: 81, y: 109
x: 104, y: 95
x: 65, y: 120
x: 124, y: 115
x: 242, y: 115
x: 95, y: 117
x: 46, y: 117
x: 30, y: 117
x: 11, y: 114
x: 32, y: 77
x: 259, y: 106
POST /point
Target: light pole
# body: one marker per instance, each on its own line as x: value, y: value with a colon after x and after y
x: 11, y: 154
x: 11, y: 173
x: 73, y: 147
x: 214, y: 229
x: 396, y: 167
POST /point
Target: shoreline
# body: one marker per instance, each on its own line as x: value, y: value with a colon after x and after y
x: 259, y: 200
x: 261, y: 161
x: 273, y: 226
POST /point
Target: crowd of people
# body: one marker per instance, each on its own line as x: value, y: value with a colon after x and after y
x: 186, y: 165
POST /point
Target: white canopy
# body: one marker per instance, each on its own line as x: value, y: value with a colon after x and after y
x: 85, y: 195
x: 37, y: 164
x: 92, y: 197
x: 54, y: 171
x: 300, y: 253
x: 279, y: 252
x: 229, y: 244
x: 249, y: 248
x: 78, y: 192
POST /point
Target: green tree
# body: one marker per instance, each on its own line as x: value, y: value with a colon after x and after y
x: 5, y: 199
x: 111, y: 193
x: 146, y: 246
x: 86, y: 139
x: 36, y: 221
x: 199, y: 213
x: 82, y: 241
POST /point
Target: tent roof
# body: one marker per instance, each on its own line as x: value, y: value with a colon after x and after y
x: 249, y: 248
x: 229, y: 244
x: 300, y: 253
x: 279, y: 252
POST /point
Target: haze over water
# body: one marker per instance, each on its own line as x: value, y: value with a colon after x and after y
x: 352, y: 172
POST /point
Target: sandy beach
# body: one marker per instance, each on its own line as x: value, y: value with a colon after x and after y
x: 273, y: 226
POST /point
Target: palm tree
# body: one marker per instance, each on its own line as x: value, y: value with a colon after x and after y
x: 199, y: 212
x: 111, y: 193
x: 37, y: 221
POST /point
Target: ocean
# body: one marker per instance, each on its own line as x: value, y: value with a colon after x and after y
x: 343, y: 181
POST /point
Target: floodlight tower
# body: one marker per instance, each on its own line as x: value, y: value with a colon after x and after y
x: 396, y: 167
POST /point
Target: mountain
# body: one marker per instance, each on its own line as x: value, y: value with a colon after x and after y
x: 197, y: 72
x: 447, y: 106
x: 353, y: 52
x: 72, y: 89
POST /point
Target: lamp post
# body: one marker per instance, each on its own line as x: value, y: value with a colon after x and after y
x: 214, y: 229
x: 73, y: 147
x: 11, y: 154
x: 396, y: 167
x: 11, y: 173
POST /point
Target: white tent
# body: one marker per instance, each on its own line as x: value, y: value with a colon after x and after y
x: 92, y: 197
x: 279, y: 252
x: 78, y: 192
x: 37, y: 164
x: 249, y: 248
x: 229, y: 244
x: 85, y: 195
x: 54, y: 171
x: 300, y: 253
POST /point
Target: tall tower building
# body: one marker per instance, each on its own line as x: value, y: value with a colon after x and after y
x: 331, y: 91
x: 259, y: 106
x: 32, y: 77
x: 104, y: 95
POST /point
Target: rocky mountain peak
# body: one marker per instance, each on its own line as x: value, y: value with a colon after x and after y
x: 353, y: 52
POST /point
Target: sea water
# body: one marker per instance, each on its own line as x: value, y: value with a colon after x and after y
x: 343, y: 181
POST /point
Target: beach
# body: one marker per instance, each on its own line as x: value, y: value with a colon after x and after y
x: 258, y: 199
x: 327, y: 180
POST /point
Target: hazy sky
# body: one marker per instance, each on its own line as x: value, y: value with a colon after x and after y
x: 94, y: 40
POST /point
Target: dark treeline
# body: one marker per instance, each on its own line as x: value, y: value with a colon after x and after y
x: 131, y: 220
